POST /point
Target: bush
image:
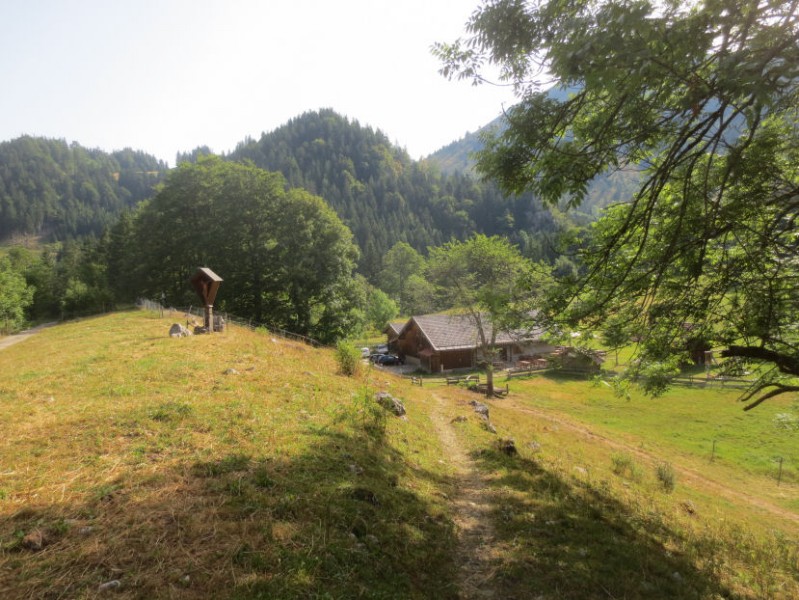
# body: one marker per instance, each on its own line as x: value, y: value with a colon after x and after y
x: 625, y: 466
x: 348, y: 357
x: 665, y: 475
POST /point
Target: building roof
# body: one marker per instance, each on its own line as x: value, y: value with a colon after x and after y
x: 395, y: 327
x: 459, y: 332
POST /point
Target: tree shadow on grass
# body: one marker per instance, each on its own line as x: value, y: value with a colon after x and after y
x: 340, y: 520
x: 568, y: 539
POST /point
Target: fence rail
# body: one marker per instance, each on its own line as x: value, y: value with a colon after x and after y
x: 703, y: 381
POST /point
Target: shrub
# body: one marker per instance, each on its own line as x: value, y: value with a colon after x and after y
x: 665, y: 475
x: 625, y: 466
x: 348, y: 357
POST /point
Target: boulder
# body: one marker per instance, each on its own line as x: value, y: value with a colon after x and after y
x: 177, y: 330
x: 480, y: 408
x: 390, y: 403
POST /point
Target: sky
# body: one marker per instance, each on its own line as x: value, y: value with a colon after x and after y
x: 165, y: 76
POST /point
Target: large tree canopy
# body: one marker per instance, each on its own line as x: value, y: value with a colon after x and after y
x: 701, y: 99
x: 286, y: 258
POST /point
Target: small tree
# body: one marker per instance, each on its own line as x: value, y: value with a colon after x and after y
x: 400, y: 264
x: 15, y: 297
x: 485, y: 278
x: 347, y: 357
x: 617, y: 333
x: 380, y: 309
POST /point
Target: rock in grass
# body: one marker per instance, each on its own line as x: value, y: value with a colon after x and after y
x: 459, y: 419
x: 114, y: 584
x: 480, y: 408
x: 534, y: 446
x: 390, y: 403
x: 177, y: 330
x: 487, y: 425
x: 35, y: 540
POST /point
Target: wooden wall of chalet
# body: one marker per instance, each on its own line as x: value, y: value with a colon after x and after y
x: 412, y: 342
x: 457, y: 359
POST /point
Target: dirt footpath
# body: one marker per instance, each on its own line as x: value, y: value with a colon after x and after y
x: 476, y: 537
x: 19, y: 337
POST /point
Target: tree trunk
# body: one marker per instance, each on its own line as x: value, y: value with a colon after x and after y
x: 489, y: 380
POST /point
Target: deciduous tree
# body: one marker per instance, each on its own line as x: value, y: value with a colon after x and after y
x: 484, y: 277
x: 702, y: 101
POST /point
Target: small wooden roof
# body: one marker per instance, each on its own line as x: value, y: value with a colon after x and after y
x: 206, y: 283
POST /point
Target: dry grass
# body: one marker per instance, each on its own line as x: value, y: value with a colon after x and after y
x: 235, y: 465
x: 243, y: 466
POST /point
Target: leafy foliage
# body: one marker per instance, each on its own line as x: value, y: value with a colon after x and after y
x: 348, y: 358
x: 15, y: 296
x: 484, y: 277
x: 701, y: 101
x: 285, y: 258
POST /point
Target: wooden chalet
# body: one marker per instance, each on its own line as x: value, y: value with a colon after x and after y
x: 392, y: 332
x: 445, y: 342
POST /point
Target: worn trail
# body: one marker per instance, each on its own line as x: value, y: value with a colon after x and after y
x: 472, y: 505
x: 19, y: 337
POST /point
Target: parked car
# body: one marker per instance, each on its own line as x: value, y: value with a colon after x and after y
x: 365, y: 352
x: 389, y: 359
x: 382, y: 349
x: 373, y: 357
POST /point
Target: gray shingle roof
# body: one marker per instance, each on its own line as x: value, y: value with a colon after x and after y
x: 458, y: 332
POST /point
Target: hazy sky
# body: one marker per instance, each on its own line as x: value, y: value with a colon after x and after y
x: 170, y: 75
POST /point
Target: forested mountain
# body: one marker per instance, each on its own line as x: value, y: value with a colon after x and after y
x: 384, y: 196
x: 459, y: 157
x: 60, y: 190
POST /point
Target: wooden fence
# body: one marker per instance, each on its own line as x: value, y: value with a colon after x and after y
x: 193, y: 311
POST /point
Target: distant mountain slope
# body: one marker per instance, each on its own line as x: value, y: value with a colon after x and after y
x: 381, y: 193
x: 50, y: 188
x: 458, y: 156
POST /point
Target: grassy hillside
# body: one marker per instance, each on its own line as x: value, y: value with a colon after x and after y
x: 235, y: 465
x: 243, y: 466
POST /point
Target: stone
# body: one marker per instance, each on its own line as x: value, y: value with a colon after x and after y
x: 488, y: 426
x: 390, y: 403
x: 534, y: 446
x: 114, y: 584
x: 459, y: 419
x: 35, y: 540
x: 480, y: 408
x: 177, y: 330
x: 230, y: 371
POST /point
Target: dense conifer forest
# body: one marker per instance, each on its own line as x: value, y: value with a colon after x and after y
x: 57, y: 190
